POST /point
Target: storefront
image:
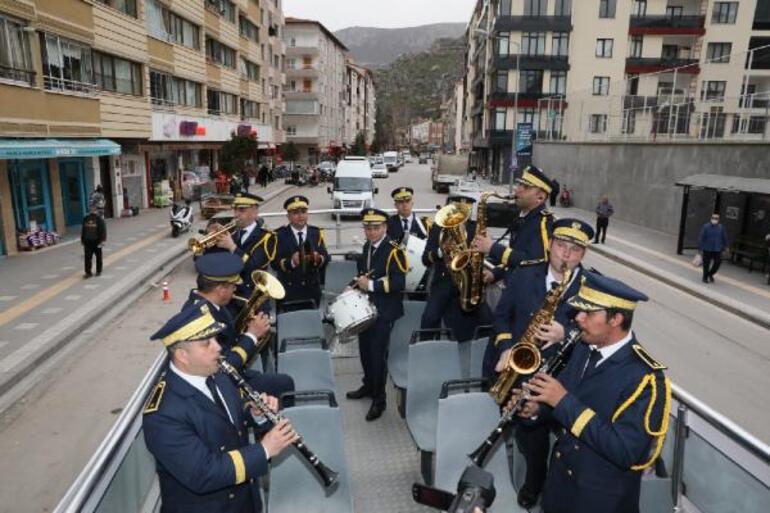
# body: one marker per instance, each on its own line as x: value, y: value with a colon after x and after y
x: 45, y: 184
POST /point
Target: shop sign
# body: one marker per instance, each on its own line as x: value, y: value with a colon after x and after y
x: 188, y: 128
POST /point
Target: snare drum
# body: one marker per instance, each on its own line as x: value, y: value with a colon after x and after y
x: 352, y: 313
x: 415, y: 247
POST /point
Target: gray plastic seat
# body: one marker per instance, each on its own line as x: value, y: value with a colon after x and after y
x: 338, y: 275
x: 311, y: 369
x: 299, y: 324
x: 463, y: 421
x: 431, y: 363
x: 294, y: 487
x: 398, y: 350
x: 477, y: 347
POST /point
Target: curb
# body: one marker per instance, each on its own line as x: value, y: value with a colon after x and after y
x: 742, y: 310
x: 103, y: 314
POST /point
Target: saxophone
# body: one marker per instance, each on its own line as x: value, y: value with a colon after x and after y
x: 524, y: 357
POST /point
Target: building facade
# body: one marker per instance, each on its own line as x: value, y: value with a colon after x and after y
x: 614, y: 70
x: 132, y: 95
x: 359, y: 103
x: 315, y: 90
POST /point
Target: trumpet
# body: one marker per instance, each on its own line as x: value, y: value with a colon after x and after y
x: 198, y: 246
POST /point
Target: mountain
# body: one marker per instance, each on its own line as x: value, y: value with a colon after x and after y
x: 378, y: 47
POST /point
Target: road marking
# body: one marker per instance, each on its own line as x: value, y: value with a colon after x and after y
x: 62, y: 285
x: 53, y: 310
x: 30, y: 286
x: 73, y: 297
x: 50, y: 276
x: 26, y: 326
x: 7, y: 298
x: 91, y: 286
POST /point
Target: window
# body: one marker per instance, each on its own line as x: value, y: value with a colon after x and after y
x: 713, y: 90
x: 118, y: 75
x: 501, y: 82
x: 597, y: 124
x: 307, y: 86
x: 607, y: 8
x: 563, y: 8
x: 249, y: 109
x: 247, y: 29
x: 531, y: 81
x: 503, y: 44
x: 629, y: 122
x: 126, y: 6
x: 535, y: 7
x: 248, y: 69
x: 724, y: 12
x: 67, y: 65
x: 632, y: 85
x: 15, y: 55
x: 169, y: 26
x: 223, y: 8
x: 719, y: 52
x: 499, y: 119
x: 533, y: 43
x: 674, y: 11
x: 221, y: 102
x: 601, y: 86
x: 219, y: 53
x: 291, y: 63
x: 169, y: 90
x: 752, y: 125
x: 291, y: 130
x: 558, y: 82
x: 640, y: 8
x: 669, y: 52
x: 560, y: 44
x: 637, y: 43
x: 505, y: 8
x: 604, y: 48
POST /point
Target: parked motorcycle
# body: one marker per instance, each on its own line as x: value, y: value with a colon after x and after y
x: 181, y: 218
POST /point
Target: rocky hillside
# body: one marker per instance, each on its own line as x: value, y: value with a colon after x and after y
x: 378, y: 47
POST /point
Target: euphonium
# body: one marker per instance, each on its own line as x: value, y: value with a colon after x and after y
x: 266, y: 286
x: 454, y: 244
x: 198, y: 246
x: 524, y: 358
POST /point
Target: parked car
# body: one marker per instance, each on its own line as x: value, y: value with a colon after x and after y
x: 423, y: 158
x: 379, y: 170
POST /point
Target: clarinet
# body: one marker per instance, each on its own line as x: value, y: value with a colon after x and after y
x: 552, y: 367
x: 328, y: 476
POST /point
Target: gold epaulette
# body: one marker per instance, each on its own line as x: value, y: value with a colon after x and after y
x: 153, y: 403
x: 642, y: 353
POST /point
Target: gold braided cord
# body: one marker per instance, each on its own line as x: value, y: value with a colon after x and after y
x: 240, y: 352
x: 544, y: 234
x: 634, y: 397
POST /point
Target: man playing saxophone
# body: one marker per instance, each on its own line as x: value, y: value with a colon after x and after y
x: 521, y: 300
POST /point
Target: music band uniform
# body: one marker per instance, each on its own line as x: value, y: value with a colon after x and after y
x: 613, y: 419
x: 386, y: 262
x: 204, y: 461
x: 302, y: 282
x: 417, y: 226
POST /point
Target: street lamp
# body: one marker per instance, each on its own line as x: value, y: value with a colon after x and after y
x: 490, y: 37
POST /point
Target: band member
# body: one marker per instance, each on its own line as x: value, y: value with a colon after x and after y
x: 522, y: 297
x: 254, y: 245
x: 218, y: 277
x: 444, y: 298
x: 382, y: 269
x: 612, y: 402
x: 194, y: 425
x: 302, y: 256
x: 530, y: 231
x: 405, y: 221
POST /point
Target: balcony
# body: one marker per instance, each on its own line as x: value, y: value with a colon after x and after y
x: 301, y: 95
x: 508, y: 99
x: 17, y: 75
x: 302, y: 72
x: 667, y: 25
x: 538, y: 62
x: 293, y: 51
x: 637, y: 65
x: 533, y: 24
x: 500, y: 137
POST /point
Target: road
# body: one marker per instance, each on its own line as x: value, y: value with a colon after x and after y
x: 47, y: 437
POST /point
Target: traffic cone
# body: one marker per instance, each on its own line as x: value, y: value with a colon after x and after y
x: 166, y: 293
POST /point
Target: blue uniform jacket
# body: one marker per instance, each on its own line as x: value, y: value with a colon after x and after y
x: 205, y: 463
x: 713, y: 237
x: 613, y: 424
x: 530, y: 237
x: 256, y: 252
x: 388, y: 265
x: 299, y: 284
x: 419, y: 227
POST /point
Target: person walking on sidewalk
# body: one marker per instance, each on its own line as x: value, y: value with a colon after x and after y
x: 554, y: 192
x: 98, y: 200
x: 604, y: 211
x: 711, y: 242
x: 92, y: 236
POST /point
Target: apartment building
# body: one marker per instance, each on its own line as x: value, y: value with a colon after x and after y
x: 315, y: 90
x: 615, y: 70
x: 130, y: 95
x: 359, y: 103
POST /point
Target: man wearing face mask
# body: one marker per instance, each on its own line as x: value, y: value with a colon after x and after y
x: 711, y: 242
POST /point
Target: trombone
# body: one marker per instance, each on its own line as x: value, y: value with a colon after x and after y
x: 198, y: 246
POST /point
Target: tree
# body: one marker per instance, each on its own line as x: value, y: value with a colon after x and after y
x: 236, y: 154
x: 359, y: 145
x: 290, y: 153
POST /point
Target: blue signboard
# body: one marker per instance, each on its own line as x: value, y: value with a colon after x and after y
x: 524, y: 139
x: 56, y: 148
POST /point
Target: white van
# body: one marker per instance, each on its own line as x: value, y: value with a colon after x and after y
x: 391, y: 160
x: 353, y: 188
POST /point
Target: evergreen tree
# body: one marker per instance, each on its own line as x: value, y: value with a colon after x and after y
x: 290, y: 153
x: 236, y: 154
x: 359, y: 146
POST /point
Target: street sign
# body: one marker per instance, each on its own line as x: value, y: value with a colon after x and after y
x: 524, y: 139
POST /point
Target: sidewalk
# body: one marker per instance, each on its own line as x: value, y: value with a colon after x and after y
x: 44, y: 300
x: 654, y: 253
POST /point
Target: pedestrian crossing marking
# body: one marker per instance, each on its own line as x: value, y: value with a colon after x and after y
x: 52, y: 311
x: 26, y: 326
x: 30, y: 286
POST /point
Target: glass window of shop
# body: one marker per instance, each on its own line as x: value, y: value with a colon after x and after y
x: 31, y: 194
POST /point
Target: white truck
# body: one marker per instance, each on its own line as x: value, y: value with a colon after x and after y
x: 391, y: 161
x: 448, y: 171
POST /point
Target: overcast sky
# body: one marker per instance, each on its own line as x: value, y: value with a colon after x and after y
x: 338, y: 14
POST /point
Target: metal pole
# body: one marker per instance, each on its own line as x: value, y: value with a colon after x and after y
x: 671, y: 105
x: 745, y: 93
x: 337, y: 230
x: 677, y: 472
x: 515, y: 117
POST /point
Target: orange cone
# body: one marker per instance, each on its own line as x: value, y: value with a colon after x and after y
x: 166, y: 293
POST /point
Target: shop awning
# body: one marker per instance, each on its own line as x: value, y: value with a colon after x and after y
x: 56, y: 148
x: 727, y: 183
